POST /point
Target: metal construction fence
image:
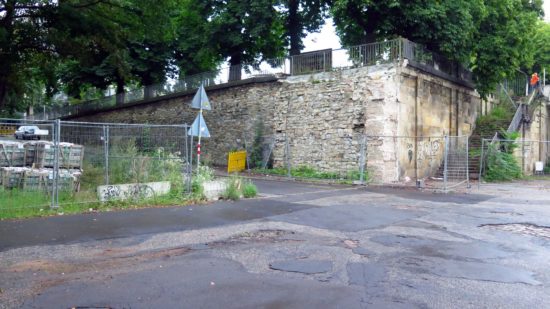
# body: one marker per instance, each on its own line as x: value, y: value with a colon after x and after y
x: 307, y: 63
x: 507, y: 160
x: 64, y: 165
x: 78, y: 163
x: 433, y: 162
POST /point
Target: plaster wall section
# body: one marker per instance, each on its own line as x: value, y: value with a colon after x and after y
x: 534, y: 145
x: 429, y: 109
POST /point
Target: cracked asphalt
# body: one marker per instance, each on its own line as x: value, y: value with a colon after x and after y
x: 296, y: 246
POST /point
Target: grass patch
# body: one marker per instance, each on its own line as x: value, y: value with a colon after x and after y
x: 20, y: 204
x: 308, y: 172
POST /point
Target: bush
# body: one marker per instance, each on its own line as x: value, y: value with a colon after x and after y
x: 249, y: 190
x: 501, y: 165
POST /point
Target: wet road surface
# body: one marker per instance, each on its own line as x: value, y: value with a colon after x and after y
x: 298, y: 246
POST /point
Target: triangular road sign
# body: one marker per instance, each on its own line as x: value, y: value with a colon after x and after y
x: 194, y: 130
x: 200, y: 100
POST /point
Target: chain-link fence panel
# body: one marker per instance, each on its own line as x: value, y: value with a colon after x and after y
x: 127, y: 162
x: 27, y: 157
x: 434, y: 162
x: 335, y: 158
x: 67, y: 166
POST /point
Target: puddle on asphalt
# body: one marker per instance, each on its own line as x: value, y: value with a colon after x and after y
x: 468, y: 270
x: 366, y: 274
x: 302, y: 266
x: 447, y: 249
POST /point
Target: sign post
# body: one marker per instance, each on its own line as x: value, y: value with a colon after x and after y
x: 199, y: 128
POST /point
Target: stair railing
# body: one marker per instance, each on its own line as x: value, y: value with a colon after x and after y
x: 508, y: 95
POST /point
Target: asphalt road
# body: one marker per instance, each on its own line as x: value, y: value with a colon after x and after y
x: 298, y: 246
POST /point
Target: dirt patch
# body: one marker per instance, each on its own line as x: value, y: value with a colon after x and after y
x: 43, y: 265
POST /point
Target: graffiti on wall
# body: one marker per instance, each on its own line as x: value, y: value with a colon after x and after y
x: 134, y: 191
x: 427, y: 150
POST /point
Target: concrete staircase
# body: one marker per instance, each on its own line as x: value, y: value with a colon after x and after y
x: 456, y: 165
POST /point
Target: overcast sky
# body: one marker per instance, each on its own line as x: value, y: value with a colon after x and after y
x: 327, y: 37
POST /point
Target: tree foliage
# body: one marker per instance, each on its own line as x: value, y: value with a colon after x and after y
x: 245, y: 31
x: 504, y: 41
x: 542, y: 48
x: 81, y: 47
x: 301, y: 17
x: 493, y: 37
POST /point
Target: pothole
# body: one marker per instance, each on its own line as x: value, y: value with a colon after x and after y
x: 521, y: 228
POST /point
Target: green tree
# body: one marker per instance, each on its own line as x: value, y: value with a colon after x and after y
x: 491, y: 36
x: 151, y: 40
x: 92, y: 48
x: 445, y: 26
x: 541, y: 43
x: 301, y: 17
x: 245, y: 31
x: 504, y: 41
x: 194, y: 50
x: 20, y: 40
x: 43, y: 38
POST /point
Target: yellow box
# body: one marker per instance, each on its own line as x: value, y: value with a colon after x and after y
x: 236, y: 161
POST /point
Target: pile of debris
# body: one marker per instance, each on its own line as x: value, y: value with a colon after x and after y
x: 30, y: 166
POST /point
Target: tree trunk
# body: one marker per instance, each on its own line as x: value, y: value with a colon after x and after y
x: 294, y: 27
x: 3, y: 93
x: 147, y: 88
x: 235, y: 68
x: 120, y: 93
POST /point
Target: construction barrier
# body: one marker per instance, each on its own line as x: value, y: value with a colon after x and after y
x: 236, y: 161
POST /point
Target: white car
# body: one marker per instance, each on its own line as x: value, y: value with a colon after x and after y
x: 30, y: 132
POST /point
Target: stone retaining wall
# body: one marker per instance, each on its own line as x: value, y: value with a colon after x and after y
x: 323, y: 116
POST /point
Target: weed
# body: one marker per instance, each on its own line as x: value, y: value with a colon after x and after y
x: 501, y: 162
x: 233, y: 190
x: 203, y: 174
x: 249, y: 189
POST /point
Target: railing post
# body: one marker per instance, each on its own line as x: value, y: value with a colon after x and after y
x: 467, y: 162
x: 481, y: 163
x: 400, y: 50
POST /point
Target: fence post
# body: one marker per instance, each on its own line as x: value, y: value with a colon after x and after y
x: 446, y: 154
x: 191, y: 151
x: 54, y: 139
x: 106, y: 152
x: 467, y: 162
x: 188, y: 167
x: 55, y: 172
x: 481, y: 163
x: 362, y: 156
x: 247, y: 154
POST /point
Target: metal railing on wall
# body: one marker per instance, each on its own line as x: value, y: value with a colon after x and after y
x: 306, y: 63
